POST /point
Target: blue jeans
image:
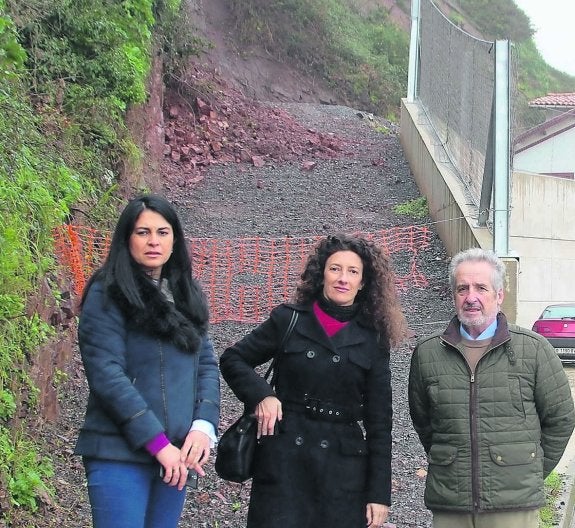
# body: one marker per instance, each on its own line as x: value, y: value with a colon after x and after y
x: 131, y: 495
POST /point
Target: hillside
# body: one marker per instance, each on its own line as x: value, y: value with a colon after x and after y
x: 256, y: 70
x: 321, y: 182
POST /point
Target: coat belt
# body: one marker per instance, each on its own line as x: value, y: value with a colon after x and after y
x: 324, y: 411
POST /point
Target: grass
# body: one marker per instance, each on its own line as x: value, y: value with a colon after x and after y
x: 415, y: 208
x: 549, y: 514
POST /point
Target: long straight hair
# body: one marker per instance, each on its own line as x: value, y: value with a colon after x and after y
x: 121, y: 271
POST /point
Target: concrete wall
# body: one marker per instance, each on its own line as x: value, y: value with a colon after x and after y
x: 438, y: 182
x: 542, y: 222
x: 542, y: 233
x: 449, y: 208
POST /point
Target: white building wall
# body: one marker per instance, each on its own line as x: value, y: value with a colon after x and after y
x: 554, y: 155
x: 542, y: 234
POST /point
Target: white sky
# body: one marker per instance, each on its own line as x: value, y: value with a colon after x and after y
x: 554, y: 23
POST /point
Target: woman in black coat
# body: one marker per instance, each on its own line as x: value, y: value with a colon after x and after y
x: 324, y: 454
x: 153, y: 406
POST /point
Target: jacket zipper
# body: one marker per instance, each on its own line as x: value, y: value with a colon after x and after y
x: 163, y: 385
x: 473, y: 418
x: 474, y: 449
x: 473, y: 413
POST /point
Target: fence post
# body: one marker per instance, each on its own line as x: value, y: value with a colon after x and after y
x: 501, y: 150
x: 413, y: 53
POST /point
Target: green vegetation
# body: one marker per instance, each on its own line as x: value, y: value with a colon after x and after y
x: 548, y: 515
x: 456, y: 19
x: 68, y: 72
x: 363, y: 57
x: 415, y: 208
x: 496, y: 19
x: 535, y: 79
x: 504, y: 20
x: 28, y: 474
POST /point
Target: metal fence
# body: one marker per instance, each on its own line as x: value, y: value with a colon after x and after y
x: 456, y: 87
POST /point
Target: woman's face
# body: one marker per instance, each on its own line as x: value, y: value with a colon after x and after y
x: 342, y: 277
x: 151, y: 242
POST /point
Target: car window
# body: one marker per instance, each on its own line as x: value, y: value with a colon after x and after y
x: 558, y: 312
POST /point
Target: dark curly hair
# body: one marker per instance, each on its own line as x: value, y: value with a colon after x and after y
x: 378, y: 300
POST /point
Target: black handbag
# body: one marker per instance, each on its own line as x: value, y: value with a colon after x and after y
x: 236, y: 447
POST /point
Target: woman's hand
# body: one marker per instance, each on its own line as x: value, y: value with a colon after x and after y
x: 376, y: 514
x: 268, y: 412
x: 175, y: 471
x: 196, y: 451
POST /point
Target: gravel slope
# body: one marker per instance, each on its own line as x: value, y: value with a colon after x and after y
x: 355, y: 191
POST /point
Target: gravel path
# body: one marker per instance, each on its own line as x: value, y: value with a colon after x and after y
x: 354, y: 192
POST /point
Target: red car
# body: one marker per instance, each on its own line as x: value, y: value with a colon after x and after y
x: 557, y: 324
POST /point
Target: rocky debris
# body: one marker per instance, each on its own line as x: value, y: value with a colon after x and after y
x: 225, y: 127
x: 309, y: 197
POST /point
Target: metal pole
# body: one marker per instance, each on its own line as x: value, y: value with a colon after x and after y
x: 413, y: 52
x: 501, y: 149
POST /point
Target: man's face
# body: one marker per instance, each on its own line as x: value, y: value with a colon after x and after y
x: 477, y: 303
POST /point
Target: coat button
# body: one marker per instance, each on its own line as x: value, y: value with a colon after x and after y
x: 499, y: 458
x: 299, y: 440
x: 310, y: 354
x: 324, y: 444
x: 335, y: 359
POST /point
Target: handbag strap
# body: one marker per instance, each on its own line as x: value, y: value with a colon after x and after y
x: 285, y: 337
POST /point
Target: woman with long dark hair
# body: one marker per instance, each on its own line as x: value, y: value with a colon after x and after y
x: 153, y: 405
x: 324, y: 427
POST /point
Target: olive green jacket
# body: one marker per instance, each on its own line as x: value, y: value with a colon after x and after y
x: 493, y: 436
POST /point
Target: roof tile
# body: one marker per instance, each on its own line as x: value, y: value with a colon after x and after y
x: 555, y: 99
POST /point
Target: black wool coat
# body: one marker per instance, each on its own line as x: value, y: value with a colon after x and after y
x: 317, y: 472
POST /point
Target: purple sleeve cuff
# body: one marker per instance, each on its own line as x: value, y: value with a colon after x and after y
x: 156, y: 444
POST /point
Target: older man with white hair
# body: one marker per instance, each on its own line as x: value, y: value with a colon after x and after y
x: 491, y: 405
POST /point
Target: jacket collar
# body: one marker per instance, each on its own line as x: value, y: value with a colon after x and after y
x: 452, y: 336
x: 159, y: 317
x: 309, y: 327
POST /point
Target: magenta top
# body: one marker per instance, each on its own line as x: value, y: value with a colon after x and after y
x: 327, y: 322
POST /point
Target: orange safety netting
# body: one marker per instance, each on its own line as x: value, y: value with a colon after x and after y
x: 243, y: 278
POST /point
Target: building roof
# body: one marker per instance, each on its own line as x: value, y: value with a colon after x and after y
x: 555, y: 100
x: 545, y: 131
